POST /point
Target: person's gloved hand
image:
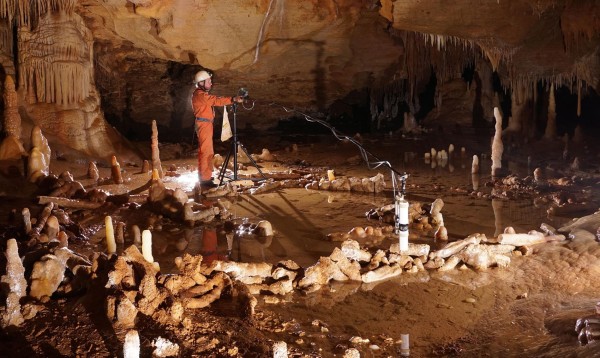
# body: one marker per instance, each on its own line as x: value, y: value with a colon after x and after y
x: 238, y: 99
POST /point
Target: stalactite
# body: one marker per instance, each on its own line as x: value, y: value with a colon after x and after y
x: 385, y: 102
x: 445, y: 55
x: 6, y: 38
x: 56, y: 72
x: 25, y: 12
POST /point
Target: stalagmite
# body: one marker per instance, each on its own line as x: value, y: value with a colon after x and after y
x: 264, y: 228
x: 202, y: 215
x: 497, y: 146
x: 36, y: 166
x: 475, y: 181
x: 136, y: 234
x: 70, y: 203
x: 156, y: 165
x: 475, y: 165
x: 12, y: 119
x: 164, y: 348
x: 120, y: 233
x: 92, y: 172
x: 441, y: 233
x: 550, y: 132
x: 454, y: 247
x: 26, y: 220
x: 14, y: 284
x: 437, y: 219
x: 145, y: 167
x: 11, y: 146
x: 381, y: 273
x: 39, y: 141
x: 63, y: 239
x: 115, y: 171
x: 52, y: 227
x: 111, y: 246
x: 280, y: 350
x: 41, y: 221
x: 538, y: 175
x: 131, y: 348
x: 531, y: 238
x: 147, y: 248
x: 578, y: 98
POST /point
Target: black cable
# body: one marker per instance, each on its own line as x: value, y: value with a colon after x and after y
x: 396, y: 175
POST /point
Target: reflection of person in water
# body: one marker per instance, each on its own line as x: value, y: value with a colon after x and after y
x: 209, y: 248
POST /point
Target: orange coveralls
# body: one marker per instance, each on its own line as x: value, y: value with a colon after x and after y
x: 202, y: 104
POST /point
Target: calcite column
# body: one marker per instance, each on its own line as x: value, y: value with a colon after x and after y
x: 11, y: 147
x: 12, y: 119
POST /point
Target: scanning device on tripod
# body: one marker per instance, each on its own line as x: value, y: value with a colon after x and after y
x: 243, y: 92
x: 236, y: 145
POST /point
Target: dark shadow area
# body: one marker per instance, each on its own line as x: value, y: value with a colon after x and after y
x: 427, y: 98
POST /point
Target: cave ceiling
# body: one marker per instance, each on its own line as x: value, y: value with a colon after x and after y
x: 308, y: 54
x: 311, y: 52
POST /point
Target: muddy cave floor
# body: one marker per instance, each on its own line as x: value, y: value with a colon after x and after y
x: 527, y: 309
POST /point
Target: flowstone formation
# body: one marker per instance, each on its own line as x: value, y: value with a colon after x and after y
x: 56, y: 79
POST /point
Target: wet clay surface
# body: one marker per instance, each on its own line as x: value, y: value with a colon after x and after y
x: 526, y: 309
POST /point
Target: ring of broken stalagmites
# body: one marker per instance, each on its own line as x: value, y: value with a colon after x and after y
x: 375, y: 184
x: 134, y: 285
x: 424, y: 219
x: 562, y: 195
x: 173, y: 203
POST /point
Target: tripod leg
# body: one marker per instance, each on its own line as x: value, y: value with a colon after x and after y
x: 224, y: 167
x: 252, y: 160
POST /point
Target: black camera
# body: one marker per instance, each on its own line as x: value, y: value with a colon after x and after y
x: 243, y: 92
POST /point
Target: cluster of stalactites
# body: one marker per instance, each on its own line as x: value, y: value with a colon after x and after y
x: 25, y: 12
x: 446, y: 55
x: 385, y: 102
x: 56, y: 82
x: 56, y: 72
x: 579, y: 23
x: 6, y: 39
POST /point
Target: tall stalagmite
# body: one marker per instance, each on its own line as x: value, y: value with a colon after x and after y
x: 550, y: 132
x: 11, y: 147
x: 497, y: 146
x: 155, y: 151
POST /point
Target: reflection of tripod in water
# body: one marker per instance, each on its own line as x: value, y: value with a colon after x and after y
x: 233, y: 152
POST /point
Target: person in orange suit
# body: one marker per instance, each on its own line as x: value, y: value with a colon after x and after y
x: 202, y: 105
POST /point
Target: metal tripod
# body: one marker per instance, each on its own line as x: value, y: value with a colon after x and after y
x: 233, y: 152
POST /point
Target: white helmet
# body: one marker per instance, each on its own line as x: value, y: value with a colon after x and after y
x: 201, y: 76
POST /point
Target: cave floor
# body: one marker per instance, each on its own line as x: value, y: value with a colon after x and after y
x: 527, y: 309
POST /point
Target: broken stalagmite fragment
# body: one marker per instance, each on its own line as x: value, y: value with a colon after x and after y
x: 92, y: 172
x: 14, y: 284
x: 115, y: 171
x: 111, y: 246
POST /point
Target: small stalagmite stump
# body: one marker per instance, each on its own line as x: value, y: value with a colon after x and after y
x: 115, y: 171
x: 92, y: 172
